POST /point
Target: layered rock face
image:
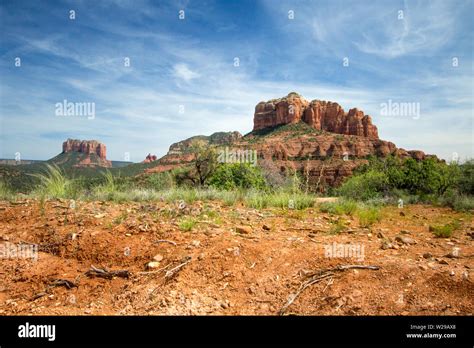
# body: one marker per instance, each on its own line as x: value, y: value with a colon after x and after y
x: 320, y: 115
x: 88, y: 148
x: 321, y: 141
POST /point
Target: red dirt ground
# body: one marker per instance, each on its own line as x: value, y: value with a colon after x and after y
x: 230, y: 273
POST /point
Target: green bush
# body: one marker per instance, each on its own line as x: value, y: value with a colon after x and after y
x: 445, y: 231
x: 458, y: 201
x: 365, y: 186
x: 368, y: 216
x: 466, y: 178
x: 237, y: 176
x: 160, y: 181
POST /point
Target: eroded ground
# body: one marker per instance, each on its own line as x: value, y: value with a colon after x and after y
x: 218, y: 270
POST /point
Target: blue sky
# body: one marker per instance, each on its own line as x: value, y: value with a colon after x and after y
x: 182, y: 80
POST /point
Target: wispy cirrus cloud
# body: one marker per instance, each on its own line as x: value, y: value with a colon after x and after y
x: 182, y: 80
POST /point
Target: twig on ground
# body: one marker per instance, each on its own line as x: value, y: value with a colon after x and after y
x: 54, y: 283
x: 318, y: 276
x: 165, y: 241
x: 156, y: 270
x: 172, y: 272
x: 104, y: 273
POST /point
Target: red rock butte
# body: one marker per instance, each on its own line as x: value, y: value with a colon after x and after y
x: 321, y: 115
x: 88, y: 147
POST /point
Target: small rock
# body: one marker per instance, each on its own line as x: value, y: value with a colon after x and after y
x: 423, y: 267
x: 157, y: 257
x: 454, y: 254
x: 405, y: 240
x: 195, y: 243
x: 99, y: 216
x: 452, y: 273
x: 402, y: 213
x: 404, y: 232
x: 427, y: 256
x: 243, y: 229
x: 152, y: 264
x: 266, y: 227
x: 386, y: 245
x: 442, y: 262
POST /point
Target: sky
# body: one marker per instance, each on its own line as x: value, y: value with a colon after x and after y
x: 158, y: 72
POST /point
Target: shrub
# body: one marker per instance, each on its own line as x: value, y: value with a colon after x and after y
x: 337, y: 227
x: 465, y: 182
x: 368, y: 216
x: 237, y: 175
x: 460, y: 202
x: 160, y: 181
x: 364, y: 186
x: 444, y: 231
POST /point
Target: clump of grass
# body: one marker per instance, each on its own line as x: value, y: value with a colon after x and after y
x: 337, y: 227
x: 187, y: 224
x: 119, y: 219
x: 108, y: 189
x: 368, y: 216
x: 5, y: 191
x: 342, y: 207
x: 53, y: 183
x: 188, y: 195
x: 279, y: 199
x: 445, y: 231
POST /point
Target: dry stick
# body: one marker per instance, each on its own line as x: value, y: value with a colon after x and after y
x: 103, y: 273
x: 165, y: 241
x: 318, y: 276
x: 54, y: 283
x: 169, y: 274
x: 320, y: 175
x: 156, y: 270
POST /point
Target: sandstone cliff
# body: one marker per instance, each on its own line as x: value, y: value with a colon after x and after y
x: 93, y: 153
x: 320, y: 115
x: 318, y: 139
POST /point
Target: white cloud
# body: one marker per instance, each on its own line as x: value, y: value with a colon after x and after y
x: 183, y: 72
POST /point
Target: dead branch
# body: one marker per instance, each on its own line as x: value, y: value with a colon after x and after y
x: 156, y: 270
x: 54, y: 283
x: 104, y: 273
x: 165, y: 241
x: 172, y: 272
x: 317, y: 276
